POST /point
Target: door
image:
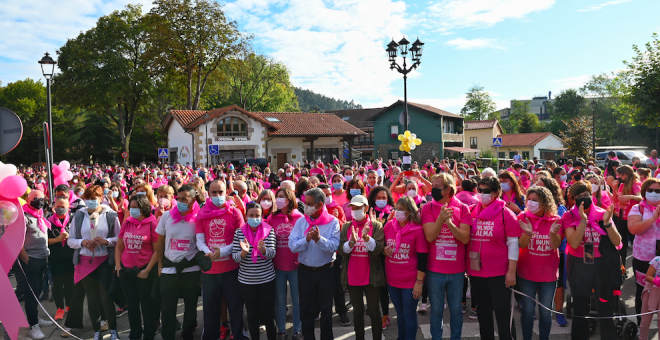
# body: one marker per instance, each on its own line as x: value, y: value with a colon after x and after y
x: 281, y: 159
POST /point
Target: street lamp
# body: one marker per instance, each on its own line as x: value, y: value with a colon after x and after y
x: 415, y: 54
x: 593, y: 127
x: 48, y: 69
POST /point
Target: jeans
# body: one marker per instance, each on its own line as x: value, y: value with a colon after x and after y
x: 452, y: 285
x: 406, y: 312
x: 281, y: 278
x: 260, y: 307
x: 546, y: 293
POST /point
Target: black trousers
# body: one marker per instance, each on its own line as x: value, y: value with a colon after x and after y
x: 97, y: 285
x: 384, y: 295
x: 339, y: 296
x: 173, y: 286
x: 34, y: 273
x: 493, y: 296
x: 315, y: 290
x: 62, y: 271
x: 583, y: 278
x: 138, y: 296
x: 260, y: 305
x: 214, y: 287
x: 642, y: 267
x: 373, y: 295
x: 622, y: 228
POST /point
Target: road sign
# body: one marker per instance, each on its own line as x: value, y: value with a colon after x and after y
x: 11, y: 130
x: 497, y: 142
x: 124, y: 154
x: 163, y: 153
x: 213, y: 150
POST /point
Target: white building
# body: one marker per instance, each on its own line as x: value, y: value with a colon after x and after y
x: 279, y: 137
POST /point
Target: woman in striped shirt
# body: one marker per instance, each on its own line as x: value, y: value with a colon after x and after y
x: 253, y: 250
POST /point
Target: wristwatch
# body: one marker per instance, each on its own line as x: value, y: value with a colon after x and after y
x: 603, y: 225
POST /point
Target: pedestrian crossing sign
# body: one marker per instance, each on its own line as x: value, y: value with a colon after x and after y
x: 497, y: 142
x: 163, y: 153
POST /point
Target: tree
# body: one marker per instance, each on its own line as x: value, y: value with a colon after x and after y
x: 309, y: 101
x: 529, y: 123
x: 575, y: 136
x: 479, y: 105
x: 192, y: 39
x: 569, y: 103
x: 107, y: 69
x: 97, y: 138
x: 518, y: 110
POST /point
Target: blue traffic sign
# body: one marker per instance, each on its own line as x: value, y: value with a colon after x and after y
x: 213, y: 150
x: 163, y: 153
x: 497, y: 142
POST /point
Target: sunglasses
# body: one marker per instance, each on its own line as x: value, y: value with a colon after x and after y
x: 657, y: 191
x: 484, y: 191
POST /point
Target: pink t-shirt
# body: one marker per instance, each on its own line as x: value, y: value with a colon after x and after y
x: 636, y: 190
x: 605, y: 199
x: 446, y: 253
x: 283, y: 224
x: 340, y: 199
x: 219, y: 232
x: 467, y: 197
x: 401, y: 267
x: 490, y: 236
x: 338, y: 212
x: 138, y: 241
x: 538, y: 262
x: 592, y: 231
x: 359, y: 264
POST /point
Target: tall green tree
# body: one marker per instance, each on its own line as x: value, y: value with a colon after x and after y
x: 518, y: 110
x: 97, y: 138
x: 569, y: 103
x: 479, y: 105
x: 192, y: 39
x: 529, y: 123
x: 577, y: 128
x: 108, y: 69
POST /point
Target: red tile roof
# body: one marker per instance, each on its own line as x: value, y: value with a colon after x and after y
x: 524, y: 139
x: 480, y: 124
x: 309, y: 124
x: 185, y: 117
x: 428, y: 108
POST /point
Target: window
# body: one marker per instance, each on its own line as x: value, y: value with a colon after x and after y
x: 525, y: 155
x: 394, y: 129
x: 272, y: 119
x: 345, y: 118
x: 501, y: 155
x: 473, y: 142
x: 394, y: 155
x: 232, y: 127
x: 325, y: 155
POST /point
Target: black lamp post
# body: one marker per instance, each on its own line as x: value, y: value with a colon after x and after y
x: 593, y: 127
x: 416, y: 55
x: 48, y: 69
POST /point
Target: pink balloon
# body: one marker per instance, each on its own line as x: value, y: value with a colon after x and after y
x: 56, y: 170
x: 60, y: 180
x: 13, y: 187
x: 67, y: 175
x: 65, y: 165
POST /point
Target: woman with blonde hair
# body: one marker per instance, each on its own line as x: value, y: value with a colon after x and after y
x: 145, y: 189
x: 602, y: 197
x: 512, y: 193
x: 165, y: 196
x: 266, y: 200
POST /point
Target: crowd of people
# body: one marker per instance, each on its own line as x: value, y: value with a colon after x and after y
x: 139, y: 238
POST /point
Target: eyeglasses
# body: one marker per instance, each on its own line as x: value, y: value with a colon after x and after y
x: 649, y: 190
x: 484, y: 191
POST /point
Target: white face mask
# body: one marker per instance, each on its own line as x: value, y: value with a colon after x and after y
x: 400, y: 215
x: 280, y: 202
x: 563, y: 178
x: 652, y: 197
x: 594, y: 188
x: 533, y: 206
x: 328, y: 200
x: 412, y: 193
x: 506, y: 186
x: 358, y: 215
x: 485, y: 198
x: 309, y: 210
x: 266, y: 204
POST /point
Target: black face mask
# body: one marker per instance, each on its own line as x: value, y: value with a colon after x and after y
x: 436, y: 193
x: 38, y: 203
x: 586, y: 200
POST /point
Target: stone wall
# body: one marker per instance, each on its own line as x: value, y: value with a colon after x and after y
x: 420, y: 154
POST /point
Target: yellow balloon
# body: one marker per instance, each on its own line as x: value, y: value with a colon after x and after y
x: 401, y: 138
x: 407, y: 134
x: 417, y: 141
x: 402, y: 147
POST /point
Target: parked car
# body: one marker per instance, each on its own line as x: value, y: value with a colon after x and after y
x: 625, y: 157
x: 262, y: 163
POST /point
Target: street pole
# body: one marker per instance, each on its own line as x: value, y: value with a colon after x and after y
x: 498, y: 159
x: 593, y: 128
x: 49, y: 163
x: 50, y: 120
x: 407, y: 159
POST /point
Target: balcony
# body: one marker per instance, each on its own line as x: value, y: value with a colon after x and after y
x: 452, y: 137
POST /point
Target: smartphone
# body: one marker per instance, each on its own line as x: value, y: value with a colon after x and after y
x: 588, y: 253
x: 657, y: 247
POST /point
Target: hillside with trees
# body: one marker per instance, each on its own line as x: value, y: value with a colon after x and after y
x: 311, y: 101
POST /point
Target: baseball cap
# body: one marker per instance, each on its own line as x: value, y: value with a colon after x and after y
x: 359, y: 200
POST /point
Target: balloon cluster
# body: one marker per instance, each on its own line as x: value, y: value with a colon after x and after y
x: 61, y: 173
x: 409, y: 141
x: 12, y: 187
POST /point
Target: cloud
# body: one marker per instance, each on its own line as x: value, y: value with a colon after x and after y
x: 469, y: 44
x: 447, y: 15
x: 332, y: 47
x: 597, y: 7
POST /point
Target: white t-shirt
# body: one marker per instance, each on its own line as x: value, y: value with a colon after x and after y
x: 180, y: 241
x: 381, y: 174
x: 517, y: 159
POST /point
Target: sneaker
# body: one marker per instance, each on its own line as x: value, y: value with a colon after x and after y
x: 473, y: 314
x: 386, y: 321
x: 35, y: 332
x: 45, y: 323
x: 317, y: 318
x: 104, y: 325
x: 262, y: 329
x: 224, y: 331
x: 120, y: 312
x: 345, y: 321
x: 468, y: 294
x: 561, y: 321
x: 59, y: 315
x: 66, y: 332
x: 67, y: 309
x: 297, y: 336
x: 98, y: 336
x: 464, y: 308
x: 281, y: 336
x: 422, y: 308
x: 114, y: 335
x: 349, y: 307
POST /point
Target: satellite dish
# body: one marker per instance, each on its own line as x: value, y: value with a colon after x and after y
x: 11, y: 130
x: 401, y: 119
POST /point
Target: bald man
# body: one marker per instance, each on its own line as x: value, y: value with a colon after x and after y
x: 34, y: 258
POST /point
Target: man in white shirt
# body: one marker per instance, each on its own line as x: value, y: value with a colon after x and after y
x: 517, y: 158
x: 652, y: 162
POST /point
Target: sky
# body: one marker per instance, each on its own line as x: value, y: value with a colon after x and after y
x: 515, y: 49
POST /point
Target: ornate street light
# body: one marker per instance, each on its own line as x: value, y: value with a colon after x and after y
x: 48, y: 69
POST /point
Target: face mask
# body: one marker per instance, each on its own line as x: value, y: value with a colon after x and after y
x: 266, y: 204
x: 506, y: 186
x: 400, y: 215
x: 462, y: 176
x: 533, y: 206
x: 594, y: 188
x: 115, y: 194
x: 470, y: 176
x: 591, y: 167
x: 337, y: 186
x: 135, y: 212
x: 348, y: 178
x: 79, y: 193
x: 533, y: 172
x: 563, y: 178
x: 412, y: 193
x: 288, y: 174
x: 358, y: 215
x: 328, y: 200
x: 254, y: 221
x: 92, y: 204
x: 119, y: 178
x: 485, y: 198
x: 309, y: 210
x: 164, y: 202
x: 381, y: 203
x: 436, y: 193
x: 280, y: 202
x: 160, y: 176
x: 218, y: 200
x: 62, y: 211
x: 523, y: 178
x: 585, y: 200
x: 652, y: 197
x: 38, y: 204
x: 141, y: 193
x: 183, y: 207
x: 355, y: 192
x: 74, y: 181
x: 40, y: 181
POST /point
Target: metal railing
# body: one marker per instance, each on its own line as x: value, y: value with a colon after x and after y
x: 452, y: 137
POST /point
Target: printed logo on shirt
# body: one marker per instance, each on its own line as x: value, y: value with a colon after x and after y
x: 446, y: 251
x: 284, y: 230
x: 217, y: 227
x: 360, y: 248
x: 484, y: 230
x: 539, y: 245
x: 133, y: 241
x: 180, y: 244
x: 402, y: 255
